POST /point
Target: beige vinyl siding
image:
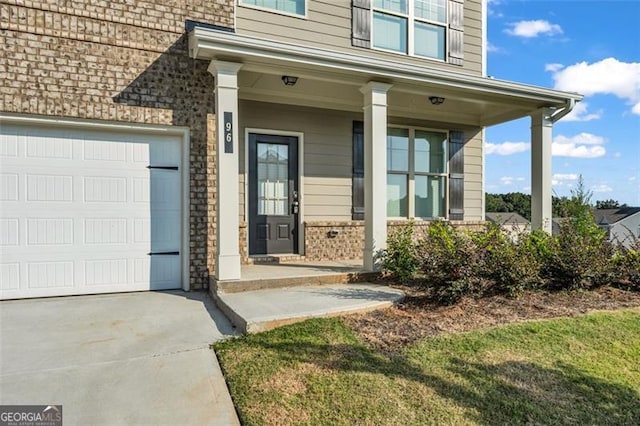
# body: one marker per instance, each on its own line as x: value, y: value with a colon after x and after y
x: 326, y: 188
x: 473, y: 172
x: 326, y: 185
x: 328, y: 26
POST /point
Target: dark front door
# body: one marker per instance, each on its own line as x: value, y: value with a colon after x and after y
x: 273, y: 194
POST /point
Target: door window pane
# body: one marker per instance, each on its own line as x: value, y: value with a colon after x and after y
x: 430, y: 152
x: 273, y: 179
x: 429, y: 196
x: 398, y: 149
x: 429, y: 40
x: 390, y: 32
x: 399, y: 6
x: 397, y: 205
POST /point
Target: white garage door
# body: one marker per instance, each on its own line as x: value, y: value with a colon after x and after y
x: 88, y: 211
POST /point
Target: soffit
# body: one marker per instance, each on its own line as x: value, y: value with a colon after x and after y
x: 330, y: 79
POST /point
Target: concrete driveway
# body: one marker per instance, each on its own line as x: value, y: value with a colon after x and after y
x: 136, y: 358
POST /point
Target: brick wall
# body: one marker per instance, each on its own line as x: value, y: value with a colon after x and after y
x: 348, y: 242
x: 124, y: 61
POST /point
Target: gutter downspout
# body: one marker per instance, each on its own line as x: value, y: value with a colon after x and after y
x: 557, y: 115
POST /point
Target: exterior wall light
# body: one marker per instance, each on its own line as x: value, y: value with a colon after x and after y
x: 289, y: 80
x: 436, y: 100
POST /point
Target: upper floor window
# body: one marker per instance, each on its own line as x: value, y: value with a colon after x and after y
x: 292, y: 7
x: 416, y: 173
x: 414, y: 27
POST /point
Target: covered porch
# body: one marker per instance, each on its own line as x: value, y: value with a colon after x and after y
x: 275, y: 94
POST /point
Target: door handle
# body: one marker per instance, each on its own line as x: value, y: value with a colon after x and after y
x: 295, y: 207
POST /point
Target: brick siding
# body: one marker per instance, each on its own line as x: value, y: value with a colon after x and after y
x: 120, y: 61
x: 348, y: 242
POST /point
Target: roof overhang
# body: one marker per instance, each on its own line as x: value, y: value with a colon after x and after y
x: 476, y: 100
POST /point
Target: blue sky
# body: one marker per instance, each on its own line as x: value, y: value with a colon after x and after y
x: 585, y: 46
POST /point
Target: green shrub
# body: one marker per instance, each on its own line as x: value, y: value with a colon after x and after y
x: 505, y: 261
x: 579, y: 257
x: 626, y: 266
x: 400, y: 258
x: 539, y: 244
x: 454, y: 263
x: 447, y: 261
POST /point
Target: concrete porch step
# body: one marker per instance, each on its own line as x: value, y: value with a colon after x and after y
x: 284, y: 282
x: 262, y: 310
x: 281, y: 275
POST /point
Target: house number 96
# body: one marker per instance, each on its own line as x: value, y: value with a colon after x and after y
x: 228, y: 132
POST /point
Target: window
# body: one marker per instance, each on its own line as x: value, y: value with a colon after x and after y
x: 414, y: 27
x: 416, y: 173
x: 293, y: 7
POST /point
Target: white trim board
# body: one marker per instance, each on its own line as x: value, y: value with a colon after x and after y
x: 205, y: 43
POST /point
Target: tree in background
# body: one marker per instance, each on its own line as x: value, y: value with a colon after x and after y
x: 562, y: 206
x: 517, y: 202
x: 513, y: 202
x: 609, y: 204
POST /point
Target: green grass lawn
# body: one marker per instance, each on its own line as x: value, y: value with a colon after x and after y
x: 574, y: 371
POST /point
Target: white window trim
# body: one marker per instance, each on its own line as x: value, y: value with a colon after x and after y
x: 411, y: 173
x: 300, y: 136
x: 242, y: 3
x: 411, y: 19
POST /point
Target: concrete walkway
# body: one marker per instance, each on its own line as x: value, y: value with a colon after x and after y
x: 136, y: 358
x: 260, y: 310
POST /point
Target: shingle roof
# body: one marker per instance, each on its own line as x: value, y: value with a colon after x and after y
x: 506, y: 218
x: 612, y: 216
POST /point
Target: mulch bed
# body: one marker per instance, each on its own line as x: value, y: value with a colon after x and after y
x: 419, y: 316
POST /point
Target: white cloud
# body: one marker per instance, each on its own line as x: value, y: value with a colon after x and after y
x: 530, y: 29
x: 580, y: 113
x: 582, y: 145
x: 565, y: 176
x: 608, y: 76
x: 507, y: 180
x: 510, y: 180
x: 617, y: 154
x: 492, y: 48
x: 580, y: 139
x: 491, y: 4
x: 632, y: 178
x: 578, y: 151
x: 559, y: 179
x: 601, y: 188
x: 553, y: 67
x: 506, y: 148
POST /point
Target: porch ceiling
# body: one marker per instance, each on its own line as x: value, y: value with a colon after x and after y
x: 329, y: 79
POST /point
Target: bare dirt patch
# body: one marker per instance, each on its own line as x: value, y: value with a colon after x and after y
x: 419, y: 316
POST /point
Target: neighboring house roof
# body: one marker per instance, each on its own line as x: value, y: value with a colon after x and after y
x: 559, y: 220
x: 506, y: 218
x: 611, y: 216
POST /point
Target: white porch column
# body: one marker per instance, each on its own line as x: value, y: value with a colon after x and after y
x: 227, y: 166
x: 541, y: 206
x: 375, y: 171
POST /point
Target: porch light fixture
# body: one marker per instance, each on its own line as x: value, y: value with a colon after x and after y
x: 436, y: 100
x: 289, y: 80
